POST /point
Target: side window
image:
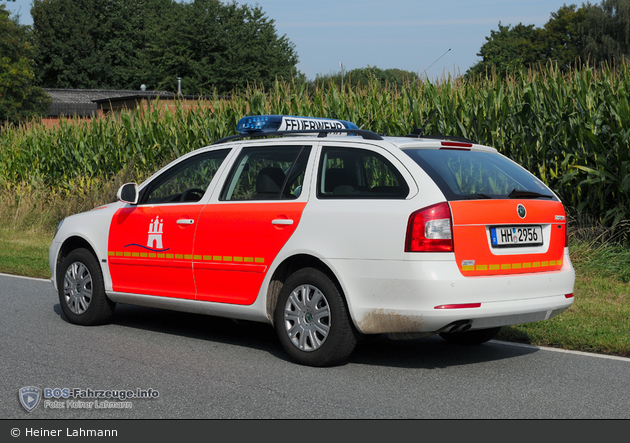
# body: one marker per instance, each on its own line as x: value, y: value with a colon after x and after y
x: 186, y: 181
x: 358, y: 173
x: 267, y: 173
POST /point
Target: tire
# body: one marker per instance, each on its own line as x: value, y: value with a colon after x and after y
x: 312, y: 321
x: 81, y: 290
x: 470, y: 338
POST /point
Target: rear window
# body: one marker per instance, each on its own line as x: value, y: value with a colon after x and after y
x: 468, y: 175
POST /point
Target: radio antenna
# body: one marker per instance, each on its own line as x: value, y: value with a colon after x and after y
x: 410, y: 84
x: 437, y: 60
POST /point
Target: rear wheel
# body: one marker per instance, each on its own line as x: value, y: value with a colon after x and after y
x: 81, y: 290
x: 312, y: 321
x: 475, y: 337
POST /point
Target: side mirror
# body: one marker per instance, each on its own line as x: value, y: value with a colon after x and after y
x: 128, y: 193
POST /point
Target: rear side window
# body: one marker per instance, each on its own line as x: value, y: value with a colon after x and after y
x: 466, y: 175
x: 267, y: 173
x: 358, y: 173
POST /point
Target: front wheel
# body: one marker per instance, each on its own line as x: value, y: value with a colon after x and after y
x: 82, y: 291
x: 474, y: 337
x: 312, y: 321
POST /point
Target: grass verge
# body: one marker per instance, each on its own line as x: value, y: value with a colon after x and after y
x: 24, y: 253
x: 598, y: 321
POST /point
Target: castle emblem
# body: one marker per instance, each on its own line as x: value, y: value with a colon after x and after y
x: 155, y: 233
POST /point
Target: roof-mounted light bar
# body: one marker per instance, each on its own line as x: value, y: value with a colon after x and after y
x: 279, y: 123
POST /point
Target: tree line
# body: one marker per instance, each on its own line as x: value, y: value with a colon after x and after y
x: 221, y: 47
x: 592, y: 34
x: 122, y: 44
x: 361, y: 77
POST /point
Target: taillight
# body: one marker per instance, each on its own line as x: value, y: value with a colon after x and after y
x: 430, y: 230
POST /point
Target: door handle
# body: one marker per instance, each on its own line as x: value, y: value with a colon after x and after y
x: 282, y: 221
x: 185, y: 221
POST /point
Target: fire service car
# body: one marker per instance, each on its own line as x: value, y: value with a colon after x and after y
x: 329, y: 233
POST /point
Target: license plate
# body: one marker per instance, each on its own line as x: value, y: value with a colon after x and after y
x: 506, y: 236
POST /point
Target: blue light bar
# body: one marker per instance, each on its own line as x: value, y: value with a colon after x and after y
x: 274, y: 123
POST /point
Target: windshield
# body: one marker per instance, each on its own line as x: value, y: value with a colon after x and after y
x: 464, y: 175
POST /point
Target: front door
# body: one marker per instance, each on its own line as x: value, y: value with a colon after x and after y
x: 150, y: 250
x: 150, y: 245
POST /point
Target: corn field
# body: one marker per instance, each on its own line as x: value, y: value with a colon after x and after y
x: 571, y: 130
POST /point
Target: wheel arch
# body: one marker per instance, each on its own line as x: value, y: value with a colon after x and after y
x: 70, y: 244
x: 286, y: 269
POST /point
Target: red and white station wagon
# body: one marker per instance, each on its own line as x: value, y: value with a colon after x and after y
x: 327, y: 232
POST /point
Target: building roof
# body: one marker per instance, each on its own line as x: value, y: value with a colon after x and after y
x: 85, y: 102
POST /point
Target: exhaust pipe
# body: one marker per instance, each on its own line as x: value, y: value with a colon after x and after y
x: 457, y: 326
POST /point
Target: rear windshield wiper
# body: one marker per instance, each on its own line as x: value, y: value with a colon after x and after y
x: 516, y: 193
x: 475, y: 196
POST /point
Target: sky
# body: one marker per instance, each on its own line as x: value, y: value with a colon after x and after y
x: 431, y: 38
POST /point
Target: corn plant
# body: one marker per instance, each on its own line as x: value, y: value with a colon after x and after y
x: 572, y: 130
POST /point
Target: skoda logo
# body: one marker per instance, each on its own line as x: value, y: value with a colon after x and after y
x: 521, y: 211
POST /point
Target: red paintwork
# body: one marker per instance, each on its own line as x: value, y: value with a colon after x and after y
x: 471, y: 220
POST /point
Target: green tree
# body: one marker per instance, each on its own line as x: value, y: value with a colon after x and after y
x: 606, y: 30
x: 219, y: 46
x: 20, y: 97
x: 562, y: 39
x: 89, y: 43
x: 363, y: 76
x: 122, y: 44
x: 572, y: 37
x: 509, y: 49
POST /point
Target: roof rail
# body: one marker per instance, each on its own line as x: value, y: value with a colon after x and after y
x: 321, y: 133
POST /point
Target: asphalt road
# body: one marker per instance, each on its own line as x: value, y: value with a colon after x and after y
x: 209, y: 367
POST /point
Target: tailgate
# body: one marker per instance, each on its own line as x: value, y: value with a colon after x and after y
x: 501, y: 237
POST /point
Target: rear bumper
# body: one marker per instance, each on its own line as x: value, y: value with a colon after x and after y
x: 402, y: 296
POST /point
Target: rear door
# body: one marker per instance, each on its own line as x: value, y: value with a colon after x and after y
x: 240, y: 235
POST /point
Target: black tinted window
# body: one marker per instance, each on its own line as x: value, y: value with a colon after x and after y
x: 358, y: 173
x: 186, y: 181
x: 463, y: 174
x: 267, y: 173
